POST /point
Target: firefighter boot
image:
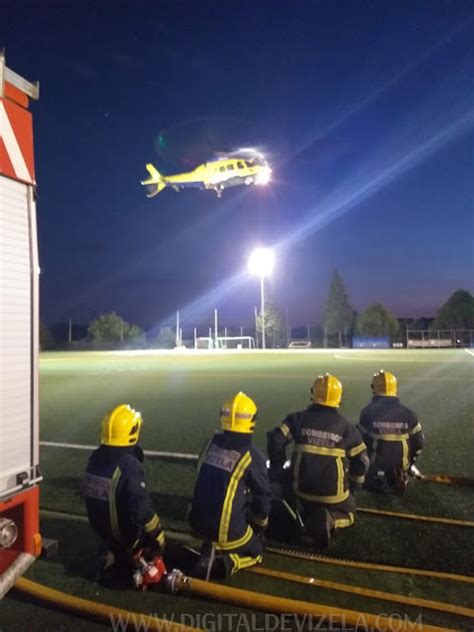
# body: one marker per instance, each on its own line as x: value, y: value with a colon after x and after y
x: 399, y: 482
x: 318, y: 526
x: 114, y: 569
x: 203, y: 567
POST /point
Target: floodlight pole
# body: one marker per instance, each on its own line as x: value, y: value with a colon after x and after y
x: 256, y: 324
x: 215, y: 328
x: 288, y: 332
x: 261, y: 264
x: 262, y: 307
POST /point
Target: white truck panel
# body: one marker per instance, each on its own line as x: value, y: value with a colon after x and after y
x: 18, y: 337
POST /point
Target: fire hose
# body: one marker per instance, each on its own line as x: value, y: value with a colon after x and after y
x: 315, y: 557
x: 423, y: 518
x: 180, y: 584
x: 94, y: 610
x: 449, y: 480
x: 270, y: 603
x: 365, y: 592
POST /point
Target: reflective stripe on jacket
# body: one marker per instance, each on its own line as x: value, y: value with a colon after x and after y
x: 232, y: 489
x: 392, y: 432
x: 328, y: 451
x: 118, y: 505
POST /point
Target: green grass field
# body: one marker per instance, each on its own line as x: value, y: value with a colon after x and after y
x: 180, y: 395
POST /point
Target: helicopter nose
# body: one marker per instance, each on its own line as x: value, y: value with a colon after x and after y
x: 264, y: 176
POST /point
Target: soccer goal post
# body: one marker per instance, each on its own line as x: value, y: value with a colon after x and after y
x: 235, y: 342
x: 204, y: 342
x: 225, y: 342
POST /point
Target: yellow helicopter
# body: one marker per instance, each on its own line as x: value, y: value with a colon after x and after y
x: 245, y: 167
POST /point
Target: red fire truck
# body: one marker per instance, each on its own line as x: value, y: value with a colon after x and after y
x: 20, y: 540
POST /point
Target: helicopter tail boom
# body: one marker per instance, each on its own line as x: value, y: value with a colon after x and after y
x: 155, y: 179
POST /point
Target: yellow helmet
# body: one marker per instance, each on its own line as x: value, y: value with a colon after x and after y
x: 327, y: 390
x: 238, y: 414
x: 384, y: 383
x: 121, y: 426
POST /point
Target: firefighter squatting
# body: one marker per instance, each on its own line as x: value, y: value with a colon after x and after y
x: 240, y: 496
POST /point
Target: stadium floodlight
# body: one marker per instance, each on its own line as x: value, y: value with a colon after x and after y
x: 260, y: 264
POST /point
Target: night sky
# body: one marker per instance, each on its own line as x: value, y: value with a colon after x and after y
x: 364, y: 110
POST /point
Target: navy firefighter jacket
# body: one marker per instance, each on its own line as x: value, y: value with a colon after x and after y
x: 118, y: 505
x: 328, y: 454
x: 392, y: 432
x: 232, y: 489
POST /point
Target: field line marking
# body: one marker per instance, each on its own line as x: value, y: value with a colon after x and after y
x: 241, y: 374
x: 150, y: 453
x: 73, y: 446
x: 469, y: 352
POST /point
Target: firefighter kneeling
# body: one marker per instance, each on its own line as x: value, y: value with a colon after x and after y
x: 232, y: 497
x: 314, y: 495
x: 393, y: 435
x: 119, y: 508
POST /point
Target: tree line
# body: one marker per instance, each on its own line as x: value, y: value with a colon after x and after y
x: 110, y: 331
x: 340, y: 323
x: 377, y: 320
